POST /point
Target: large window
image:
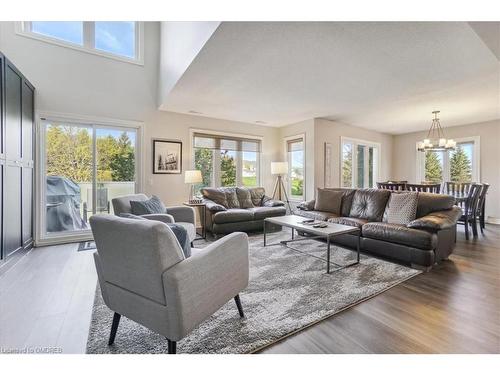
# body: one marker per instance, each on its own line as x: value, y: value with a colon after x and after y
x: 226, y: 161
x: 84, y: 167
x: 295, y: 157
x: 459, y: 165
x: 115, y: 39
x: 360, y: 162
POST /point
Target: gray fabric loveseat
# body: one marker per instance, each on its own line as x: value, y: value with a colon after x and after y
x: 428, y: 238
x: 238, y: 209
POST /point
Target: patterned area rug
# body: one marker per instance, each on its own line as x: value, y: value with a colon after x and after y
x: 288, y: 291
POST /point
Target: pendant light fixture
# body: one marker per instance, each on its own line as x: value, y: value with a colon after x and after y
x: 435, y: 140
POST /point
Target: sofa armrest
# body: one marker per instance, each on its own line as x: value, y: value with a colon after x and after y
x: 182, y: 213
x: 198, y: 286
x: 269, y: 202
x: 438, y: 220
x: 307, y: 205
x: 212, y: 206
x: 164, y: 218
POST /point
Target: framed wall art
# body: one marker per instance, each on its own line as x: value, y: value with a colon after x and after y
x: 167, y: 156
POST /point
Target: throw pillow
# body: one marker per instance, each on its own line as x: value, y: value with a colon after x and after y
x: 401, y: 208
x: 244, y: 197
x: 150, y: 206
x: 328, y: 200
x: 257, y: 195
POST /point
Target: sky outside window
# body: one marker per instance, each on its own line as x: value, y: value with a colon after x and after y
x: 68, y: 31
x: 116, y: 37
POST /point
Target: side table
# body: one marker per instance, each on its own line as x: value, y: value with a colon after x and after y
x: 202, y: 208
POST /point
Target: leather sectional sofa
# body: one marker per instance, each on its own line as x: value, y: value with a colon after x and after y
x: 238, y: 209
x: 427, y: 239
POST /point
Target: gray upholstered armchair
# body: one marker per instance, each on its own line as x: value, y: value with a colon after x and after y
x: 144, y: 275
x: 182, y: 215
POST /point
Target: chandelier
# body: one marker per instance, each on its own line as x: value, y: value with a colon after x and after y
x: 435, y: 140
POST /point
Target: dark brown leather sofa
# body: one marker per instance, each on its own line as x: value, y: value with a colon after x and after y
x: 239, y: 209
x: 424, y: 241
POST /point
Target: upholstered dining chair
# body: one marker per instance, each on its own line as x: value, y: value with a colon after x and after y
x: 182, y: 215
x: 144, y: 275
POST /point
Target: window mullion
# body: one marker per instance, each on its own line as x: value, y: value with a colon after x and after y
x: 89, y: 34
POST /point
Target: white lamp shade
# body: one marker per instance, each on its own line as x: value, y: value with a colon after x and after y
x: 279, y: 167
x: 193, y: 177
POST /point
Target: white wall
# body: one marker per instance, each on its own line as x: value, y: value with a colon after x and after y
x: 169, y: 125
x: 75, y: 82
x: 180, y: 42
x: 405, y: 162
x: 331, y: 132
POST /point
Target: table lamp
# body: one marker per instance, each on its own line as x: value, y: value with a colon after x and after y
x: 192, y: 177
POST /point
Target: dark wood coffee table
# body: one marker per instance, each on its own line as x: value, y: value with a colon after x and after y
x: 327, y: 233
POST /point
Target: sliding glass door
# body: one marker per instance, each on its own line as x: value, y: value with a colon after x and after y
x: 83, y: 167
x: 359, y: 163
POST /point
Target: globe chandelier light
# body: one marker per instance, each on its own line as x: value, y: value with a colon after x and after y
x: 435, y: 140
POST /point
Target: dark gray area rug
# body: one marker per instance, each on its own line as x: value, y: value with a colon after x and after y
x: 288, y: 291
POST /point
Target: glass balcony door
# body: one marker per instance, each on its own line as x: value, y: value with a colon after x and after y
x: 84, y: 167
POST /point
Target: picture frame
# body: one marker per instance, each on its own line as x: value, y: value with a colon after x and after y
x: 167, y: 156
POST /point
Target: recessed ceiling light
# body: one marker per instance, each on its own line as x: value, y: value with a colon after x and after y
x: 260, y: 122
x: 195, y: 112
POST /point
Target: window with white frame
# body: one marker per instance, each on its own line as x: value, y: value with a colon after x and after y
x: 296, y: 160
x: 459, y: 165
x: 226, y: 161
x: 119, y: 39
x: 360, y: 163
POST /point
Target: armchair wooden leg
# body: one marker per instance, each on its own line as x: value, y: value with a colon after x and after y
x: 238, y: 305
x: 114, y: 328
x: 172, y: 346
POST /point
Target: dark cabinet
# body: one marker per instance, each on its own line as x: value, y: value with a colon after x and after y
x: 16, y: 159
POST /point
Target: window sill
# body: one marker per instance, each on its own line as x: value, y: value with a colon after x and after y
x: 76, y: 47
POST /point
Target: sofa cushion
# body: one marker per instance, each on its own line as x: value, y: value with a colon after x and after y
x: 232, y: 198
x: 215, y: 195
x: 328, y: 200
x: 244, y: 197
x: 352, y: 221
x: 369, y: 204
x: 260, y: 213
x: 347, y: 201
x: 150, y: 206
x: 257, y: 194
x: 316, y: 215
x: 233, y: 215
x: 430, y: 202
x: 400, y: 234
x: 401, y: 208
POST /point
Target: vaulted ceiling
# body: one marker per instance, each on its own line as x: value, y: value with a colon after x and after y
x: 385, y: 76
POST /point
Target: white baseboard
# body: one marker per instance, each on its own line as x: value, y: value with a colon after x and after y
x: 493, y: 220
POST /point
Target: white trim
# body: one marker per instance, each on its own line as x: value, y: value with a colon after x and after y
x: 493, y: 220
x: 355, y: 142
x: 287, y: 178
x: 40, y: 164
x: 22, y: 29
x: 476, y: 160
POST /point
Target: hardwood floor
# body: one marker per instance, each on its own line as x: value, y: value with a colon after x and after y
x: 46, y: 301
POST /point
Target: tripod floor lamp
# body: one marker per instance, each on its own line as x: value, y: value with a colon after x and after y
x: 280, y: 169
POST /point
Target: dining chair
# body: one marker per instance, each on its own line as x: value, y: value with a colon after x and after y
x: 427, y: 188
x: 481, y: 206
x: 391, y: 186
x: 469, y: 211
x: 454, y: 188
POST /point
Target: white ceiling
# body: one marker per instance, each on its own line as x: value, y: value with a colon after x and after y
x: 385, y: 76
